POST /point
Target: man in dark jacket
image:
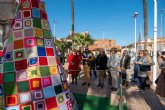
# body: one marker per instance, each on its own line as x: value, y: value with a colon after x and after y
x: 125, y: 65
x: 101, y: 63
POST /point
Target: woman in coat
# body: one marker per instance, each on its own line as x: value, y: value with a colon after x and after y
x: 73, y: 65
x: 160, y: 89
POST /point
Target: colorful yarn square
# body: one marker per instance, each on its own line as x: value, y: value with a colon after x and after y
x: 29, y: 42
x: 49, y: 51
x: 21, y: 64
x: 48, y: 43
x: 63, y: 107
x: 8, y: 56
x: 56, y: 80
x: 11, y: 100
x: 8, y: 67
x: 25, y: 4
x: 25, y: 97
x: 60, y: 99
x: 44, y: 15
x: 18, y: 25
x: 33, y: 72
x: 19, y: 15
x: 38, y: 32
x: 40, y: 105
x: 69, y: 105
x: 1, y: 90
x: 13, y: 108
x: 51, y: 103
x: 28, y: 32
x: 27, y: 23
x: 35, y: 84
x: 37, y: 95
x: 40, y: 42
x: 46, y: 81
x: 19, y: 54
x: 47, y: 34
x: 45, y: 25
x: 42, y: 6
x: 33, y: 61
x: 41, y: 51
x: 21, y: 75
x: 35, y: 12
x: 18, y: 34
x: 58, y: 89
x: 1, y: 101
x: 26, y: 14
x: 31, y: 52
x: 18, y: 44
x: 37, y: 23
x: 44, y: 71
x: 1, y: 76
x: 35, y: 3
x: 9, y: 77
x: 53, y: 70
x: 27, y: 106
x: 51, y: 61
x: 23, y: 86
x: 43, y: 61
x: 48, y: 92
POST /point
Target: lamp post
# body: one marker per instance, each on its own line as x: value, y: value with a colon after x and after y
x: 72, y: 31
x: 161, y: 27
x: 55, y: 30
x: 135, y: 15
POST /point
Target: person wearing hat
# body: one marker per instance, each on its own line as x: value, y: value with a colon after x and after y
x: 88, y: 57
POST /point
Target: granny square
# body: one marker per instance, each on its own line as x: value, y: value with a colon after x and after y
x: 23, y: 86
x: 26, y: 14
x: 51, y: 61
x: 43, y: 61
x: 27, y: 106
x: 25, y: 4
x: 42, y: 6
x: 44, y: 15
x: 51, y: 103
x: 56, y: 80
x: 69, y: 105
x: 1, y: 76
x: 37, y: 95
x: 48, y: 43
x: 21, y: 64
x: 58, y: 89
x: 19, y: 15
x: 12, y: 108
x: 48, y: 92
x: 41, y: 51
x: 35, y: 84
x: 46, y: 81
x: 63, y: 107
x: 1, y: 90
x: 2, y: 101
x: 53, y: 70
x: 18, y: 25
x: 31, y: 52
x: 44, y: 71
x: 9, y: 89
x: 8, y: 56
x: 19, y: 54
x: 40, y: 42
x: 29, y: 42
x: 36, y: 12
x: 18, y: 34
x: 33, y: 61
x: 38, y: 32
x: 18, y: 44
x: 40, y: 105
x: 37, y: 23
x: 28, y: 32
x: 49, y: 51
x: 60, y: 99
x: 45, y: 24
x: 35, y: 3
x: 25, y: 97
x: 33, y: 72
x: 21, y: 75
x: 11, y: 100
x: 8, y: 67
x: 47, y: 34
x: 9, y: 77
x: 27, y: 23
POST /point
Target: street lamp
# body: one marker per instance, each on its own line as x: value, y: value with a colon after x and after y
x: 161, y: 27
x: 135, y: 15
x: 54, y: 29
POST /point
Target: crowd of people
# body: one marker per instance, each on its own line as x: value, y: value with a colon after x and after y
x: 117, y: 66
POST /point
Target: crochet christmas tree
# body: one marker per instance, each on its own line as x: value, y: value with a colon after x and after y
x: 31, y: 76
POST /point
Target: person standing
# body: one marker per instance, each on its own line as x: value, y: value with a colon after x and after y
x: 88, y: 57
x: 125, y: 66
x: 73, y: 65
x: 101, y: 65
x: 113, y: 64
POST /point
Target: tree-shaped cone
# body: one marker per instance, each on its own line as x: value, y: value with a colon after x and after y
x: 31, y: 76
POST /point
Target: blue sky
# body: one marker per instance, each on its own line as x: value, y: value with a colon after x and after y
x: 111, y: 17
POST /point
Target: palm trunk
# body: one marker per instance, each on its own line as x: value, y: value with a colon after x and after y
x: 145, y: 23
x: 72, y: 31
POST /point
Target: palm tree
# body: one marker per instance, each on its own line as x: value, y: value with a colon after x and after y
x: 145, y: 23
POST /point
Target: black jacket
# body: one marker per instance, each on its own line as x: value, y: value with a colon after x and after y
x: 101, y: 62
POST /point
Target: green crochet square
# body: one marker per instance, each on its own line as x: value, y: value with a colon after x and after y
x: 8, y: 67
x: 8, y: 77
x: 44, y: 71
x: 10, y: 89
x: 37, y: 23
x: 23, y: 86
x: 47, y: 34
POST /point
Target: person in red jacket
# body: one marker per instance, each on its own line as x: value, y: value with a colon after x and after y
x: 73, y: 65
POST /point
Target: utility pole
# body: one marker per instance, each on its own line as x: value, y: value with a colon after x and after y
x: 55, y: 29
x: 161, y: 28
x: 72, y: 31
x: 135, y: 15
